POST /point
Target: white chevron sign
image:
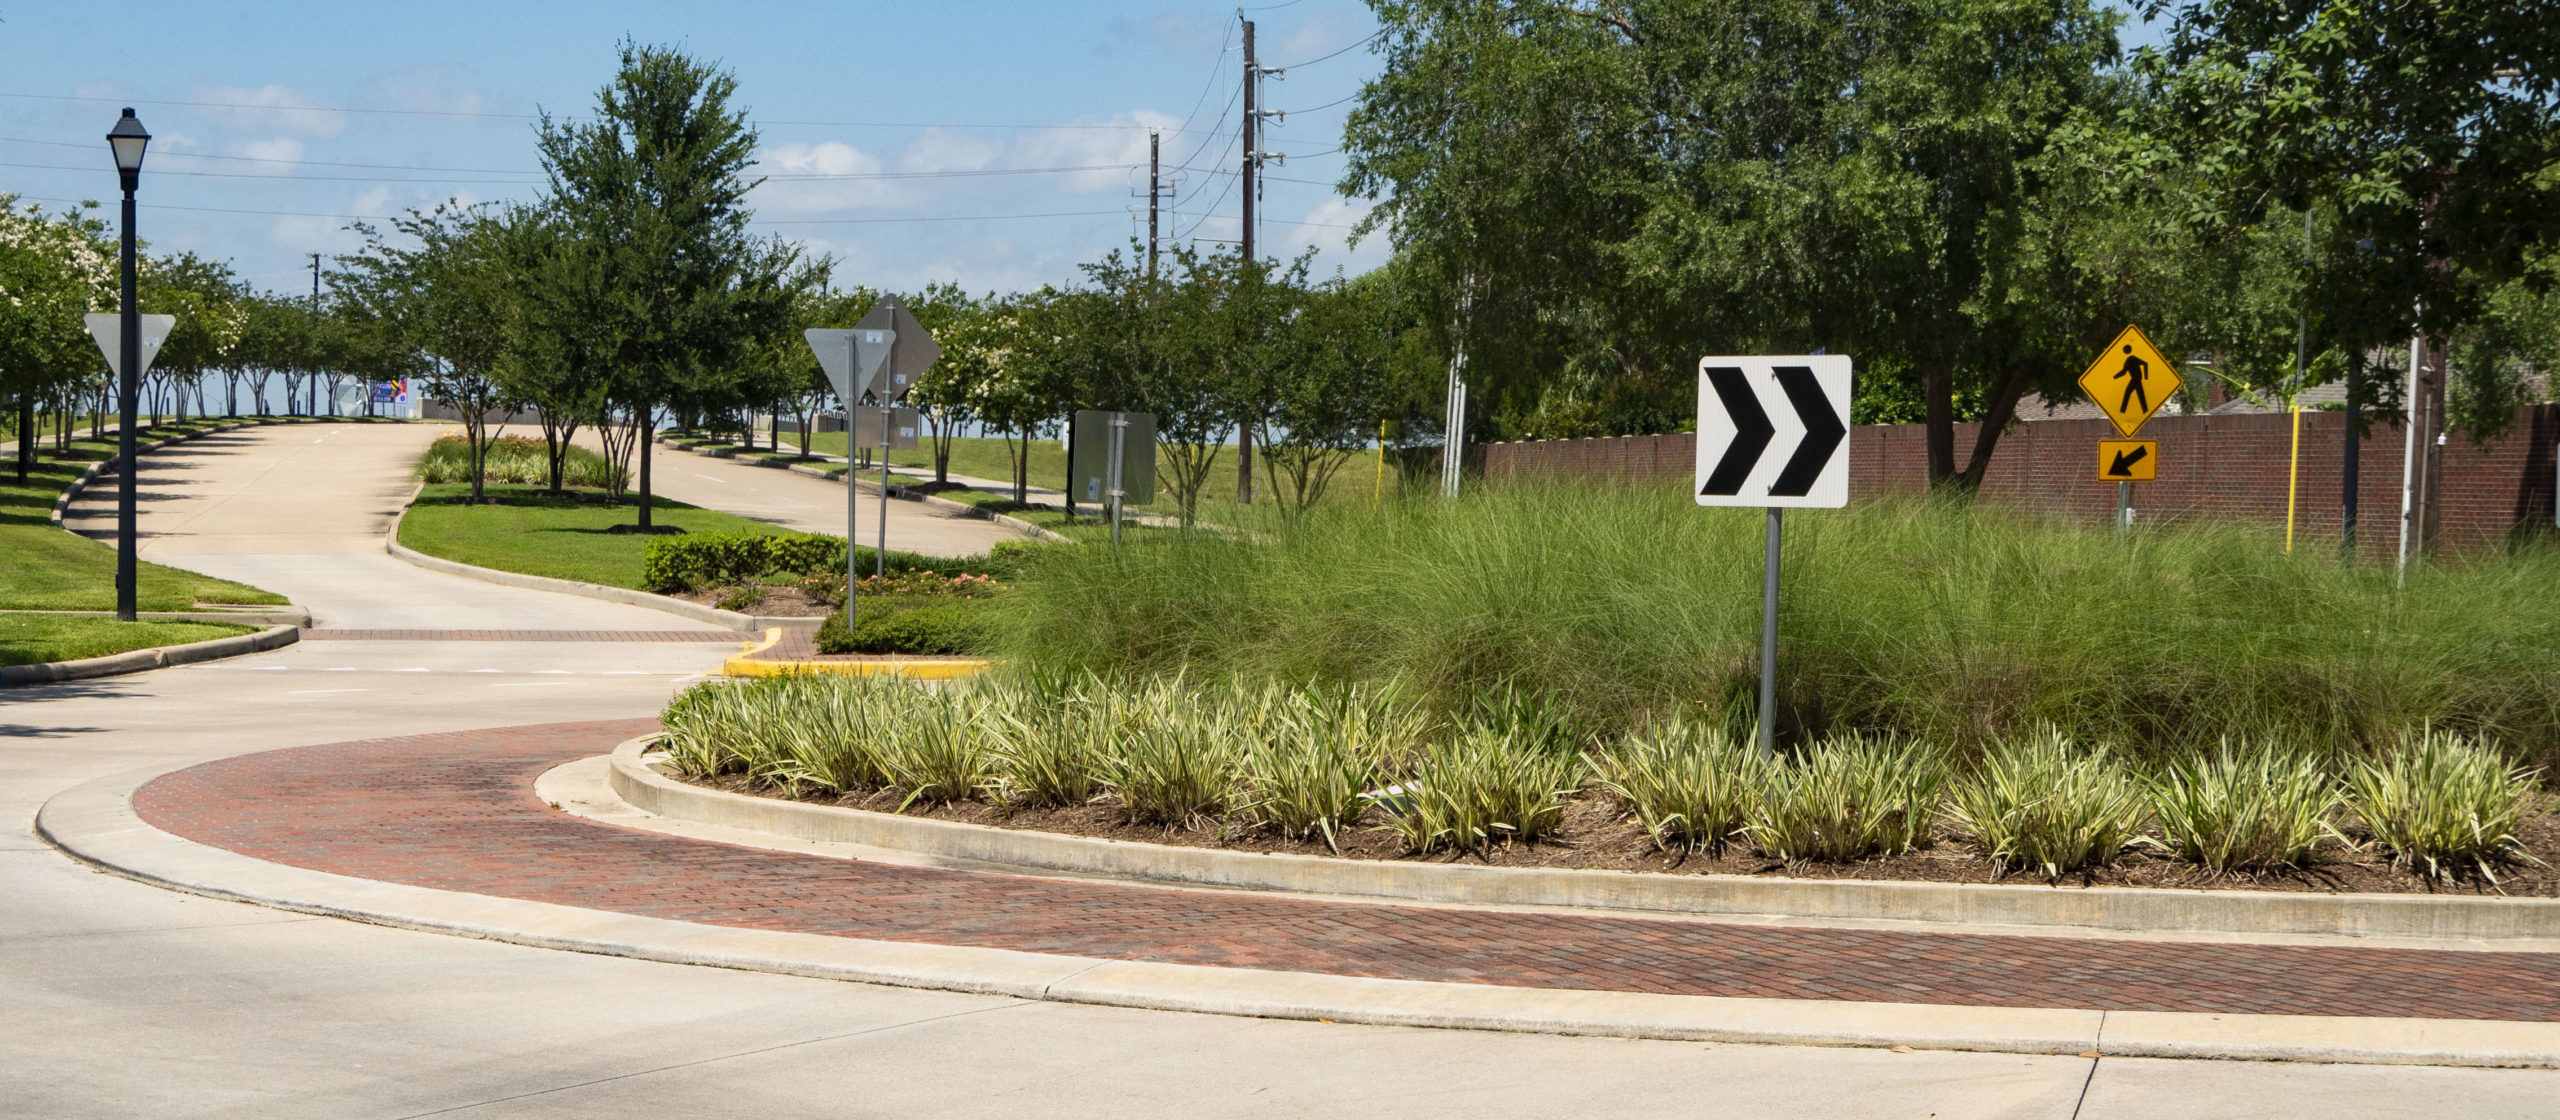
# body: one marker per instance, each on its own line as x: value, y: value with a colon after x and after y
x: 1773, y: 431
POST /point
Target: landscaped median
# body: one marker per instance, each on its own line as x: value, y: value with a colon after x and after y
x: 1367, y: 776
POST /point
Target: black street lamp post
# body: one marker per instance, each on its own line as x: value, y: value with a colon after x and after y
x: 128, y: 140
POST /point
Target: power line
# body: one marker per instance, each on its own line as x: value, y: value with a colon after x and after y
x: 764, y: 221
x: 1364, y: 41
x: 461, y: 113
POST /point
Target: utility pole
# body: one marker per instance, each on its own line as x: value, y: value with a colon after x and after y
x: 1251, y: 142
x: 315, y: 315
x: 1155, y: 194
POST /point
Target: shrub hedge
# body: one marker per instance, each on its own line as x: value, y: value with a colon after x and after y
x: 699, y: 560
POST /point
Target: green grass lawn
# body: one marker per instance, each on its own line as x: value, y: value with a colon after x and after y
x: 986, y: 458
x: 29, y: 639
x: 564, y: 537
x: 44, y: 568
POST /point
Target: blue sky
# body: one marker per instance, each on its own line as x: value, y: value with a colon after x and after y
x: 275, y: 123
x: 912, y: 141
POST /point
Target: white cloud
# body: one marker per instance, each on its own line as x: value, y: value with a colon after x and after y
x: 788, y: 187
x: 1327, y: 229
x: 269, y: 107
x: 1189, y: 34
x: 276, y: 157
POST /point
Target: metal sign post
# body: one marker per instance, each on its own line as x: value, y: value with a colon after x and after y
x: 1119, y: 439
x: 1744, y: 403
x: 2130, y: 381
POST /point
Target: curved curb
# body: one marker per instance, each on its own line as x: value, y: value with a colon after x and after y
x: 747, y: 664
x: 95, y: 823
x: 624, y: 595
x: 963, y: 509
x: 157, y: 657
x: 2024, y: 908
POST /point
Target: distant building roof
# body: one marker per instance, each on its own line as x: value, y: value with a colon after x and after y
x: 2036, y: 406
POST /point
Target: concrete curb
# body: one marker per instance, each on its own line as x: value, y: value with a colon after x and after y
x: 95, y: 823
x: 248, y: 616
x: 624, y: 595
x: 2025, y: 908
x: 964, y: 509
x: 157, y: 657
x: 747, y: 664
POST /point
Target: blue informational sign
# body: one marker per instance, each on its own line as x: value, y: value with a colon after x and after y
x: 391, y: 392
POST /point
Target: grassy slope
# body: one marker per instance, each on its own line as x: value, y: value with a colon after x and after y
x: 538, y: 534
x: 1954, y: 624
x: 45, y: 568
x: 27, y: 639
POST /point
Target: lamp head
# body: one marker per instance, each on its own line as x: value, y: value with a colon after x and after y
x: 128, y: 138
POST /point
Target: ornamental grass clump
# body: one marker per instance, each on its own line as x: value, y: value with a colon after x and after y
x: 1175, y: 756
x: 1052, y: 738
x: 1848, y: 798
x: 2262, y: 805
x: 2443, y: 802
x: 1327, y: 748
x: 832, y: 739
x: 1484, y: 785
x: 936, y: 749
x: 701, y: 724
x: 1690, y: 784
x: 2041, y: 801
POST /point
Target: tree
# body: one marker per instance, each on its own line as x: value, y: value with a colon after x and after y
x: 1621, y: 186
x: 53, y: 270
x: 450, y: 299
x: 1332, y: 388
x: 652, y: 192
x: 204, y: 298
x: 2428, y: 129
x: 974, y: 344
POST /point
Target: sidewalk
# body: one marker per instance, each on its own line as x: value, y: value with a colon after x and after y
x: 457, y: 812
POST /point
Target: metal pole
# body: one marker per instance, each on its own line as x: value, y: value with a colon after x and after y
x: 852, y: 495
x: 1119, y: 440
x: 2408, y: 462
x: 128, y: 392
x: 880, y: 555
x: 2293, y: 476
x: 1769, y: 639
x: 2124, y: 508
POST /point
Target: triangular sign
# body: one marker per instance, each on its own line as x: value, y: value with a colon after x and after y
x: 916, y: 348
x: 107, y: 327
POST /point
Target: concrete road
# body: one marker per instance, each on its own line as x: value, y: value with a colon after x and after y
x: 124, y: 1000
x: 814, y: 505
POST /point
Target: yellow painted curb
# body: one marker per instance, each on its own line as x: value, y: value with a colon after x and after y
x: 747, y: 664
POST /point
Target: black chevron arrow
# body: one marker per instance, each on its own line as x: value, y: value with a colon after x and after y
x: 2124, y: 461
x: 1823, y: 432
x: 1751, y: 430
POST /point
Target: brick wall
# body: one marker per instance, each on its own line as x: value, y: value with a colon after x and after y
x: 2210, y: 467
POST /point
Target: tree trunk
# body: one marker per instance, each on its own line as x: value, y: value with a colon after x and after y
x: 1996, y: 414
x: 26, y: 435
x: 642, y: 417
x: 2429, y: 496
x: 1022, y: 471
x: 1244, y: 464
x: 1938, y: 397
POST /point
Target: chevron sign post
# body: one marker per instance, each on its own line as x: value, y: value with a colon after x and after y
x: 1773, y: 432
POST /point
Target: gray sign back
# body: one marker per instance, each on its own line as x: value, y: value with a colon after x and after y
x: 916, y: 351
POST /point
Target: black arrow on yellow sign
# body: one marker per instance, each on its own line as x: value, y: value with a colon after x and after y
x: 2128, y: 460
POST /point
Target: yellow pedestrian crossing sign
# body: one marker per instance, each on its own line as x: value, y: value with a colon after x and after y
x: 2130, y: 381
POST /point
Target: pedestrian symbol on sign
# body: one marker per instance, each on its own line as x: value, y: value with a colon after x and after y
x: 2135, y: 369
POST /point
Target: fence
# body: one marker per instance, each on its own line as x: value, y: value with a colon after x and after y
x: 2226, y: 466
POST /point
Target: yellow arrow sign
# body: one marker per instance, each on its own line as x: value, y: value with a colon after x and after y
x: 2128, y: 460
x: 2130, y: 381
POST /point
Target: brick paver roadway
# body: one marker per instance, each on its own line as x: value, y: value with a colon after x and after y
x: 457, y: 812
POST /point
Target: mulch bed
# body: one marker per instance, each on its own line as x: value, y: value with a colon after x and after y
x: 1597, y: 835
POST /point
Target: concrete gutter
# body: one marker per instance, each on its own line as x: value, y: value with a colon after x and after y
x: 2469, y: 923
x: 159, y: 657
x: 95, y: 824
x: 869, y: 486
x: 624, y: 595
